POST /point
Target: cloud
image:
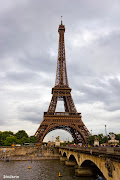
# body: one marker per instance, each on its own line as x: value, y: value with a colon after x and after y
x: 28, y: 61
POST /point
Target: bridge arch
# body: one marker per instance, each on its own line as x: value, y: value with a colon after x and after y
x: 90, y: 162
x: 64, y: 154
x: 96, y: 170
x: 72, y: 157
x: 60, y: 152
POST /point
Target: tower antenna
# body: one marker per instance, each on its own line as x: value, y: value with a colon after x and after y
x: 61, y: 19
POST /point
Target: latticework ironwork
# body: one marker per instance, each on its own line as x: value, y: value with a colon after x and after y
x: 70, y: 120
x: 61, y: 74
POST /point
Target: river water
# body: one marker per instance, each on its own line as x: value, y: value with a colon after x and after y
x: 40, y: 170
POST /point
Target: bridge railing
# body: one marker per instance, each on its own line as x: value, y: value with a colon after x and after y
x: 97, y: 150
x: 117, y: 150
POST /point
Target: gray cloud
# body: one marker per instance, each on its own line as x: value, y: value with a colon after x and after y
x: 99, y: 90
x: 28, y: 60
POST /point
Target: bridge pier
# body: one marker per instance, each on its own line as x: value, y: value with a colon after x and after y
x: 63, y: 159
x: 83, y: 171
x: 70, y: 163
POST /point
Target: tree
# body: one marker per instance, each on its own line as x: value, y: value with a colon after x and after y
x: 32, y: 139
x: 11, y: 140
x: 91, y: 139
x: 20, y: 134
x: 4, y: 135
x: 24, y: 140
x: 118, y: 137
x: 1, y: 141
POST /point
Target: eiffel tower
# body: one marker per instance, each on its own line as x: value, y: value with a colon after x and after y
x: 70, y: 120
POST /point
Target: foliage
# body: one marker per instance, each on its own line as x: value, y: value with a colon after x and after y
x: 4, y: 135
x: 91, y: 140
x: 11, y: 140
x: 118, y: 137
x: 102, y: 139
x: 32, y: 139
x: 7, y: 138
x: 20, y: 134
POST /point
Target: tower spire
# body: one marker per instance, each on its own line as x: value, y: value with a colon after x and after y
x: 61, y: 20
x: 61, y: 73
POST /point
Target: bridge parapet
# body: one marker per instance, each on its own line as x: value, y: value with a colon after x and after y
x: 113, y: 151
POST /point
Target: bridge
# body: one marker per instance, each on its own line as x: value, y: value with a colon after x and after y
x: 88, y: 161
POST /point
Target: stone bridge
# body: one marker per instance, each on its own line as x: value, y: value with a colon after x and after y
x: 90, y: 161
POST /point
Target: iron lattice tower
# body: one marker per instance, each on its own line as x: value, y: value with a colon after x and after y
x: 70, y: 120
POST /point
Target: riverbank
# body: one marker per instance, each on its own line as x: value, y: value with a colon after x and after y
x: 29, y: 158
x: 28, y: 153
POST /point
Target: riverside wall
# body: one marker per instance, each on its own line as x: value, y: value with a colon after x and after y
x: 29, y: 153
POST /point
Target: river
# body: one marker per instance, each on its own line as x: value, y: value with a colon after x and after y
x: 40, y: 170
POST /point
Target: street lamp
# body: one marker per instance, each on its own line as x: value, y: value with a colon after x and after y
x: 106, y: 133
x: 91, y: 132
x: 52, y: 138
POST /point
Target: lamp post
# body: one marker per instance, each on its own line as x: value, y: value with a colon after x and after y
x: 91, y: 132
x: 52, y: 138
x: 106, y: 133
x: 91, y: 138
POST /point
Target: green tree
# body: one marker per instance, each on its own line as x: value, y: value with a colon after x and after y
x: 1, y: 141
x: 24, y: 140
x: 11, y: 140
x: 101, y: 138
x: 118, y: 137
x: 4, y: 135
x: 32, y: 139
x: 91, y: 139
x: 20, y: 134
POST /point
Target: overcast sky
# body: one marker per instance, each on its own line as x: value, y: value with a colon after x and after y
x: 28, y: 61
